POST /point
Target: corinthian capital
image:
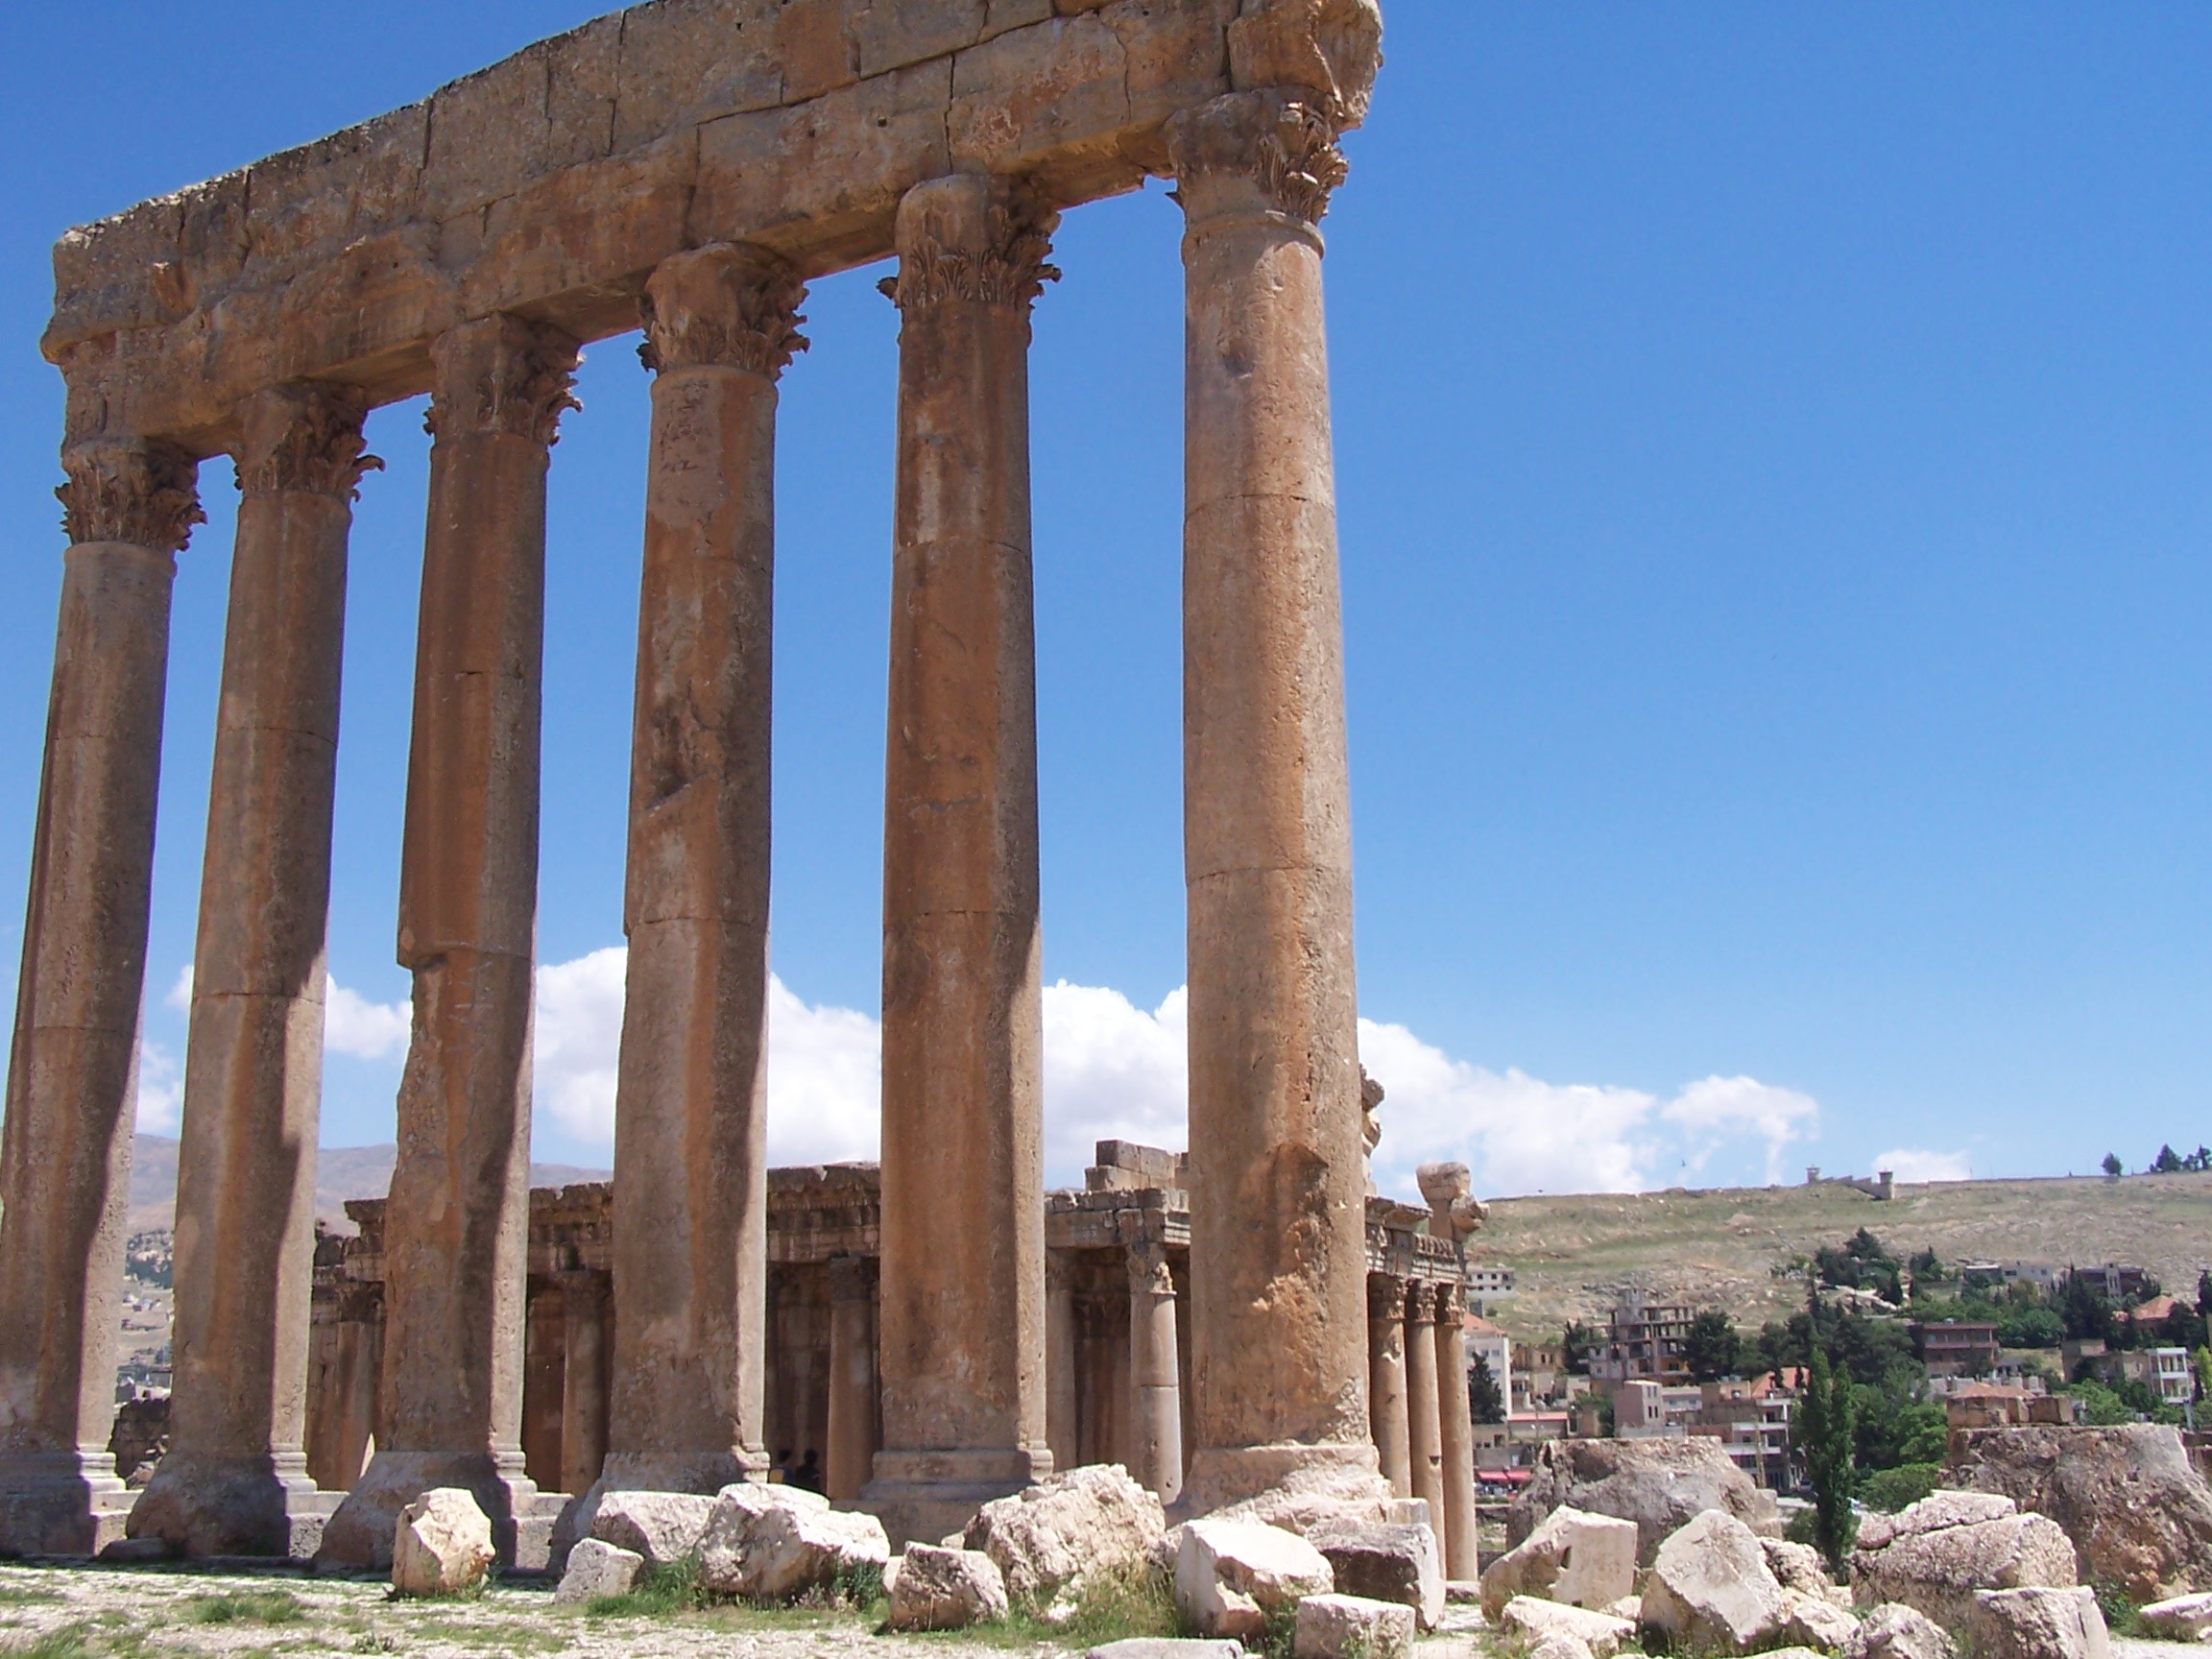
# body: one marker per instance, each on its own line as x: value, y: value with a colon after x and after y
x: 501, y: 375
x: 1268, y: 151
x: 1149, y: 1274
x: 972, y: 237
x: 304, y: 436
x: 144, y: 492
x: 728, y: 307
x: 1329, y: 50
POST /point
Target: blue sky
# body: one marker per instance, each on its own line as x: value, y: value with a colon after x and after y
x: 1774, y: 469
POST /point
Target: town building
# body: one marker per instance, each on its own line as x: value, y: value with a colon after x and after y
x: 1646, y: 1341
x: 1955, y: 1347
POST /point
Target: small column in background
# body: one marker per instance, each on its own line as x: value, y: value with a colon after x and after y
x: 1061, y: 1393
x: 852, y: 1393
x: 1155, y: 1378
x: 583, y: 1309
x: 1455, y: 1523
x: 1386, y: 1380
x: 1424, y: 1438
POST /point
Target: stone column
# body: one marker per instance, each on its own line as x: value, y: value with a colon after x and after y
x: 692, y: 1109
x: 1277, y: 1185
x: 1059, y: 1359
x: 851, y: 1435
x: 1455, y: 1521
x: 72, y: 1076
x: 234, y: 1481
x: 1425, y: 1435
x: 963, y: 1276
x: 583, y: 1378
x: 1155, y: 1379
x: 457, y: 1226
x: 1386, y: 1386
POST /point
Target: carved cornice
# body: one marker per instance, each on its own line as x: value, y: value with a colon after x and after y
x: 145, y: 493
x: 1281, y: 145
x: 984, y: 241
x: 304, y: 437
x: 728, y: 307
x: 502, y: 375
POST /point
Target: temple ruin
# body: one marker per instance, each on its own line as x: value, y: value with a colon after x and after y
x: 686, y: 166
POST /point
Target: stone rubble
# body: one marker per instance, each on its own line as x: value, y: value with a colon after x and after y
x: 661, y: 1527
x: 1710, y: 1590
x: 791, y: 1550
x: 2181, y: 1617
x: 443, y: 1545
x: 1799, y: 1567
x: 1895, y: 1631
x: 1050, y: 1538
x: 1532, y: 1620
x: 1335, y: 1627
x: 1659, y: 1484
x: 1573, y: 1556
x: 738, y: 1509
x: 940, y: 1589
x: 2040, y: 1623
x: 1936, y: 1553
x: 1232, y: 1576
x: 1385, y: 1563
x: 597, y: 1567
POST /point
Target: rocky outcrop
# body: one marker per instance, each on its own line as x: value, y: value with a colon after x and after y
x: 1896, y: 1631
x: 1231, y: 1576
x: 662, y: 1528
x: 1658, y: 1484
x: 1582, y: 1559
x: 1336, y: 1626
x: 2038, y: 1623
x: 2139, y: 1513
x: 1937, y: 1554
x: 596, y: 1567
x: 946, y: 1590
x: 1535, y: 1621
x: 444, y: 1544
x: 1050, y: 1538
x: 1383, y: 1563
x: 1711, y: 1591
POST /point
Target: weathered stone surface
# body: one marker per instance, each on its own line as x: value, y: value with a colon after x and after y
x: 1230, y: 1576
x: 598, y: 1568
x: 938, y: 1589
x: 1534, y: 1620
x: 1573, y: 1556
x: 1167, y: 1647
x: 2138, y: 1512
x: 1811, y: 1618
x: 1558, y: 1645
x: 1048, y: 1538
x: 1934, y: 1554
x: 727, y: 1543
x: 1799, y: 1567
x: 442, y: 1545
x: 1659, y: 1484
x: 1896, y: 1631
x: 1336, y: 1626
x: 2038, y: 1623
x: 2181, y: 1617
x: 1385, y: 1563
x: 1711, y: 1590
x: 790, y: 1551
x: 660, y: 1528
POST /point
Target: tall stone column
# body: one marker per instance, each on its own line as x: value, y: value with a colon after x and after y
x: 72, y: 1075
x: 234, y: 1481
x: 692, y: 1100
x: 457, y: 1226
x: 1455, y: 1523
x: 963, y: 1276
x: 1386, y: 1385
x: 1155, y: 1379
x: 851, y: 1451
x: 1060, y: 1350
x: 584, y: 1408
x: 1425, y: 1435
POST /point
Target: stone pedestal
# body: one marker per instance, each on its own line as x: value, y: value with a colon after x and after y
x: 852, y: 1452
x: 72, y: 1075
x: 1455, y: 1520
x: 1277, y: 1187
x: 457, y: 1224
x: 690, y: 1158
x: 1387, y: 1380
x: 1424, y: 1438
x: 962, y: 1314
x: 1155, y: 1378
x: 235, y: 1480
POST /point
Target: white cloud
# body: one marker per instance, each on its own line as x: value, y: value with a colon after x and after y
x: 1112, y: 1072
x: 366, y: 1030
x: 577, y: 1040
x: 1917, y: 1163
x: 179, y: 997
x: 1716, y: 1111
x: 161, y: 1106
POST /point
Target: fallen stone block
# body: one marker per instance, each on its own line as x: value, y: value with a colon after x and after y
x: 1230, y: 1576
x: 1383, y: 1563
x: 444, y: 1544
x: 1582, y: 1559
x: 1532, y: 1620
x: 663, y: 1528
x: 1711, y: 1590
x: 2042, y: 1623
x: 1812, y: 1619
x: 597, y: 1567
x: 1937, y: 1554
x: 1051, y: 1538
x: 1896, y: 1631
x: 1558, y: 1645
x: 1336, y: 1626
x: 1658, y: 1484
x: 791, y: 1550
x: 2181, y: 1618
x: 1167, y: 1647
x: 1799, y: 1567
x: 726, y: 1541
x: 938, y: 1589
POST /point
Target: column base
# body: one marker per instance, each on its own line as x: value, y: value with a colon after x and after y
x: 263, y: 1505
x: 358, y: 1537
x: 925, y: 1497
x: 700, y: 1472
x: 1293, y: 1485
x: 61, y: 1504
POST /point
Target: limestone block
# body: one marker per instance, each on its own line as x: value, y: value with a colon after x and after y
x: 1399, y: 1564
x: 1931, y: 1514
x: 1799, y: 1567
x: 1582, y: 1559
x: 596, y: 1567
x: 938, y: 1589
x: 1048, y: 1538
x: 1812, y: 1620
x: 1230, y: 1576
x: 1072, y: 75
x: 1532, y: 1620
x: 728, y: 1539
x: 1896, y: 1631
x: 1659, y: 1484
x: 444, y: 1544
x: 1711, y: 1590
x: 790, y: 1551
x: 1934, y: 1554
x: 2181, y: 1618
x: 660, y: 1527
x: 2042, y: 1623
x: 1352, y: 1628
x: 664, y: 80
x: 1558, y: 1645
x: 1167, y: 1647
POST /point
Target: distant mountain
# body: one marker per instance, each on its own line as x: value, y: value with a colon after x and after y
x: 341, y: 1173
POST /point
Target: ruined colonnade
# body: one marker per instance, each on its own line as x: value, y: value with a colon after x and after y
x: 477, y: 277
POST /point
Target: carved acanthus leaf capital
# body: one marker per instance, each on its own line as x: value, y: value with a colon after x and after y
x: 973, y: 238
x: 1451, y: 1302
x: 1279, y: 147
x: 1329, y: 50
x: 729, y: 308
x: 1385, y: 1296
x: 502, y: 375
x: 304, y: 437
x: 1421, y: 1302
x: 144, y: 492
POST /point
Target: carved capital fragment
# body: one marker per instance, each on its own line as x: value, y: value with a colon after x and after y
x: 1330, y: 50
x: 1149, y: 1274
x: 141, y: 492
x: 502, y: 375
x: 729, y: 306
x: 1266, y: 151
x: 1420, y: 1302
x: 307, y: 437
x: 973, y: 238
x: 1386, y: 1297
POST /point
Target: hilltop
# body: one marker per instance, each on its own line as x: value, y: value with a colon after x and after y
x: 1573, y: 1256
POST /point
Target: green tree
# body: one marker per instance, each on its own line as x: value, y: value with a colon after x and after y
x: 1713, y: 1347
x: 2167, y: 1163
x: 1486, y: 1405
x: 2082, y: 1307
x: 1824, y: 1430
x: 1576, y: 1343
x: 2031, y: 1328
x: 2200, y: 1362
x: 2112, y: 1164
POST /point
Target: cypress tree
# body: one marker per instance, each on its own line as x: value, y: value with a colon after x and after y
x: 1826, y: 1434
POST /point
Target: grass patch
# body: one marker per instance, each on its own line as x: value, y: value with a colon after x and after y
x: 509, y: 1636
x: 1135, y: 1601
x: 2122, y: 1613
x: 374, y: 1642
x: 12, y: 1595
x: 668, y: 1588
x: 70, y: 1641
x: 245, y: 1607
